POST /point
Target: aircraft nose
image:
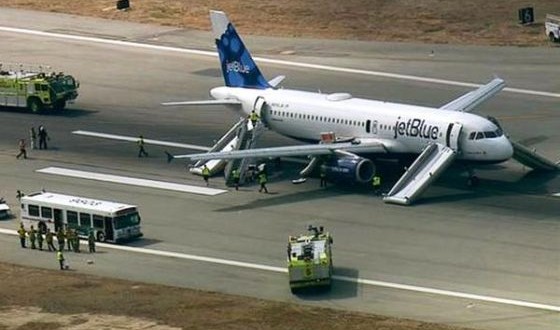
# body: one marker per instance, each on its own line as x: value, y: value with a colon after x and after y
x: 506, y: 149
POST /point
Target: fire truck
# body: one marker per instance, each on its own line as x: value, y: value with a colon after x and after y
x: 36, y: 90
x: 310, y: 259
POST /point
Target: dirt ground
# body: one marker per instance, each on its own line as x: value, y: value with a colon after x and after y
x: 77, y: 301
x: 434, y: 21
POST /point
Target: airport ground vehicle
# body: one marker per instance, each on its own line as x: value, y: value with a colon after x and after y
x: 36, y: 90
x: 310, y: 259
x: 110, y: 221
x: 552, y: 27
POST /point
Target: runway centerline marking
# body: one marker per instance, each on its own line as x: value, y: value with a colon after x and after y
x: 132, y: 181
x: 271, y: 61
x: 242, y: 264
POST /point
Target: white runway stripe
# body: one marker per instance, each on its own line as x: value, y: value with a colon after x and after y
x: 414, y: 288
x: 147, y: 141
x: 272, y: 61
x: 132, y: 181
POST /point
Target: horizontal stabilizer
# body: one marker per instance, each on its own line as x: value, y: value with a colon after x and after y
x: 303, y: 150
x: 207, y: 102
x: 274, y: 82
x: 472, y: 99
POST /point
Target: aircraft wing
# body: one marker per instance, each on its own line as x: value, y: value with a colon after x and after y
x: 206, y: 102
x: 146, y: 141
x: 472, y: 99
x: 303, y: 150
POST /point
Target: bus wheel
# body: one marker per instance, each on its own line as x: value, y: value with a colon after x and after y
x: 34, y: 105
x: 100, y: 237
x: 42, y: 227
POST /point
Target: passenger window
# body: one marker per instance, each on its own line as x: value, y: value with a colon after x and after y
x: 97, y: 221
x: 471, y: 136
x: 479, y: 136
x: 72, y: 218
x: 85, y: 219
x: 46, y: 212
x: 33, y: 210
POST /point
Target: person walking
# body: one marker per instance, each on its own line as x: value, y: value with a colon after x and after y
x: 33, y: 137
x: 262, y: 182
x: 19, y: 195
x: 253, y: 117
x: 22, y: 232
x: 236, y: 175
x: 376, y: 183
x: 43, y: 137
x: 60, y: 258
x: 69, y: 239
x: 22, y: 151
x: 40, y: 239
x: 206, y: 174
x: 49, y: 238
x: 60, y: 237
x: 91, y: 242
x: 32, y: 237
x: 141, y: 150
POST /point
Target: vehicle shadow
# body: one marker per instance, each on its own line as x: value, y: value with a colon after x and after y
x: 142, y: 242
x: 344, y: 286
x: 68, y: 112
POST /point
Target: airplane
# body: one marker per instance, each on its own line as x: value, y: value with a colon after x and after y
x: 346, y: 134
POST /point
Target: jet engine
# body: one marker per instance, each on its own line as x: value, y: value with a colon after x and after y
x: 349, y: 170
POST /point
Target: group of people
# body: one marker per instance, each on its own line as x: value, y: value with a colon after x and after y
x: 33, y: 135
x: 70, y: 236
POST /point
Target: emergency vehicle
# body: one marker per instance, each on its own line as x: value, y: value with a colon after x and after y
x: 552, y: 27
x: 35, y: 89
x: 109, y: 221
x: 310, y: 259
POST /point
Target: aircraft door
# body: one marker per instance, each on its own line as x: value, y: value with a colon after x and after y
x: 262, y: 109
x: 452, y: 136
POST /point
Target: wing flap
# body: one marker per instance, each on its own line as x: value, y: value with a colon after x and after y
x: 472, y: 99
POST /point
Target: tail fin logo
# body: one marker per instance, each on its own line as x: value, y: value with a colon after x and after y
x: 238, y: 67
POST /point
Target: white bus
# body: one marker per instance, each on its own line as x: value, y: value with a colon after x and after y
x: 110, y: 221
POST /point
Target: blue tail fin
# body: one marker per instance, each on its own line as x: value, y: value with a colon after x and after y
x: 238, y: 67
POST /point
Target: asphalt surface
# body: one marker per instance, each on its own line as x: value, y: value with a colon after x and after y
x: 500, y: 240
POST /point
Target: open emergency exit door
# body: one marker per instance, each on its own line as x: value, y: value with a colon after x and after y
x: 452, y: 136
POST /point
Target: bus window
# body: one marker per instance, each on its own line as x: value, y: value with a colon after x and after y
x: 33, y: 210
x: 97, y: 221
x: 85, y: 220
x: 46, y: 212
x: 72, y: 218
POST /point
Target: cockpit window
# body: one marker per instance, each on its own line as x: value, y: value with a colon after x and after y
x: 471, y: 136
x: 479, y: 136
x: 490, y: 134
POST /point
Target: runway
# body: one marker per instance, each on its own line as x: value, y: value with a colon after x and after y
x: 500, y: 240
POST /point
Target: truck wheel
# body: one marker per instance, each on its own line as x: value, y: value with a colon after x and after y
x: 34, y: 105
x: 551, y: 37
x: 100, y: 237
x: 294, y: 290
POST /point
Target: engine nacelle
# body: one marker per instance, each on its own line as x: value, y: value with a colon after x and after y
x: 349, y: 170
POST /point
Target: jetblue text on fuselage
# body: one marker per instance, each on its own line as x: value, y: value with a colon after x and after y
x: 235, y: 66
x: 415, y: 128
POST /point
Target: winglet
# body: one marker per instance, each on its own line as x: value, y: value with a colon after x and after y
x: 169, y: 157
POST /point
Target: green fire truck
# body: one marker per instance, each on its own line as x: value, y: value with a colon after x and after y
x: 36, y: 90
x: 310, y: 259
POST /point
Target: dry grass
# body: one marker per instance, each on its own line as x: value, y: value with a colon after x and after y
x: 434, y: 21
x: 46, y: 296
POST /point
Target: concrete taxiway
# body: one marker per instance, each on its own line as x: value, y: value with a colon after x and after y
x: 501, y: 240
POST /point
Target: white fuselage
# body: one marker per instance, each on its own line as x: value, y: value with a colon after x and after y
x: 401, y: 128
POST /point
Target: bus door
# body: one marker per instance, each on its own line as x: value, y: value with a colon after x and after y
x: 57, y: 213
x: 109, y: 233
